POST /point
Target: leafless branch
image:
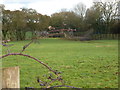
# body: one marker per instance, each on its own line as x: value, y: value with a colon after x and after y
x: 7, y: 45
x: 24, y: 47
x: 11, y: 54
x: 44, y: 84
x: 65, y: 86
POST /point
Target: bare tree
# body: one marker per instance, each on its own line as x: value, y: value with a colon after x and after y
x: 109, y: 10
x: 80, y: 9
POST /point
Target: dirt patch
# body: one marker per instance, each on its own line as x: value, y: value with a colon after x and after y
x: 67, y: 66
x: 104, y: 46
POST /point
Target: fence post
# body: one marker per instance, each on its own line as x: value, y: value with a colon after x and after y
x: 10, y: 77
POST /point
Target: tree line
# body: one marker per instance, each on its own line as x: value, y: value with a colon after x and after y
x: 17, y: 23
x: 101, y: 17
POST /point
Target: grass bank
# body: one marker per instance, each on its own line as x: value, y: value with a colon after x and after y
x: 87, y: 64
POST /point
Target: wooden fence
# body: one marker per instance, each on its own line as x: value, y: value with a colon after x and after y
x: 105, y: 36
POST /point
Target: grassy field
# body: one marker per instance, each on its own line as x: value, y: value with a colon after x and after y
x: 87, y: 64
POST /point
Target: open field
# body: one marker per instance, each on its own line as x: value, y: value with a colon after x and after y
x: 87, y: 64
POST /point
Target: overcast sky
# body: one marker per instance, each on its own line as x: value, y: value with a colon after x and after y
x: 47, y: 7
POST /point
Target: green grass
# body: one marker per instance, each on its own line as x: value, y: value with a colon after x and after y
x: 87, y: 64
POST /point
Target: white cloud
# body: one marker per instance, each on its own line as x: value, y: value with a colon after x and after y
x: 16, y: 6
x: 23, y: 1
x: 1, y: 1
x: 49, y: 7
x: 44, y: 6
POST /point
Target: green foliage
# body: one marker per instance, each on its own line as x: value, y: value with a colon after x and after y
x: 88, y: 64
x: 102, y: 17
x: 65, y: 19
x: 17, y: 23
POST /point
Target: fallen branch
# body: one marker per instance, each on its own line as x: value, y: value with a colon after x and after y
x: 11, y: 54
x: 64, y: 86
x: 24, y: 47
x: 44, y: 84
